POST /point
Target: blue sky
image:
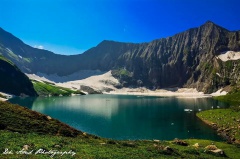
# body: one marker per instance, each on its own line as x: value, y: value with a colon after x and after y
x: 73, y: 26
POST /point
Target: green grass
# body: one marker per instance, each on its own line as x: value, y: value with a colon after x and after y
x: 49, y: 89
x: 121, y: 73
x: 20, y: 119
x: 90, y: 147
x: 21, y: 126
x: 224, y: 120
x: 28, y: 60
x: 3, y: 58
x: 232, y: 98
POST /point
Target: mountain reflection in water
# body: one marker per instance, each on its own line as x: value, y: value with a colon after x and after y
x: 129, y: 117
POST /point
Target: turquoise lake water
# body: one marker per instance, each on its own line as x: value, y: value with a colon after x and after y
x: 129, y: 117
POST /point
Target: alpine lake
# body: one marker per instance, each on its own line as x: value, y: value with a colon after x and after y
x: 129, y: 117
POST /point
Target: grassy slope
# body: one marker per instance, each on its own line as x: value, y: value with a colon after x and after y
x: 13, y: 81
x: 45, y: 135
x: 88, y: 147
x: 225, y: 121
x: 4, y: 59
x: 232, y: 98
x: 46, y: 89
x: 23, y: 120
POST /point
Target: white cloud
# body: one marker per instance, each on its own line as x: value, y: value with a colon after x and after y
x: 39, y: 46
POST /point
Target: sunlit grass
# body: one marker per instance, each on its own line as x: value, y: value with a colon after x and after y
x: 48, y: 89
x: 87, y: 146
x: 224, y: 119
x: 90, y: 147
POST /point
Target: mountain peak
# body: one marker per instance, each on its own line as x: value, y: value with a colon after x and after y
x: 109, y: 42
x: 209, y: 24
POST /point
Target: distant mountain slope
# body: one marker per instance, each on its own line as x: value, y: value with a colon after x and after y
x: 13, y: 81
x: 187, y: 59
x: 32, y: 60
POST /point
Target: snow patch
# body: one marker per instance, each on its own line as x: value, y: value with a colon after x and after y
x: 229, y: 55
x: 106, y: 83
x: 82, y: 74
x: 177, y: 92
x: 8, y: 96
x: 39, y: 78
x: 220, y: 92
x: 92, y: 78
x: 97, y: 82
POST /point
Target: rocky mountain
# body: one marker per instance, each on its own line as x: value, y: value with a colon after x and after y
x: 13, y: 81
x: 187, y: 59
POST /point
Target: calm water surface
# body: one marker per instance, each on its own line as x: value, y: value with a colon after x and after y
x: 128, y: 117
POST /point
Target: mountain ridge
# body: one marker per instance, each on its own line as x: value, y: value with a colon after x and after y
x: 176, y: 61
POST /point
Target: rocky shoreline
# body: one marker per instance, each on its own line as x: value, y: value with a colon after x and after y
x: 228, y: 133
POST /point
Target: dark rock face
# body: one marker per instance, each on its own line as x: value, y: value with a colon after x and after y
x: 89, y: 90
x: 187, y: 59
x: 13, y: 81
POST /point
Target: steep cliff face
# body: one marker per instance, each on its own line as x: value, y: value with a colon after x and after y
x: 221, y: 74
x: 187, y: 59
x: 181, y: 60
x: 13, y: 81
